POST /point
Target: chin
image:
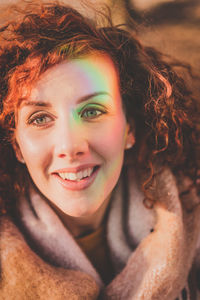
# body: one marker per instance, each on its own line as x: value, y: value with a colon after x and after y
x: 83, y: 211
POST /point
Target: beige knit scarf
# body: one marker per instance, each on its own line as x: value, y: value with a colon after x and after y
x: 151, y: 249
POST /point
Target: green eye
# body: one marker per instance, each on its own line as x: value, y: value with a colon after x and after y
x: 91, y: 113
x: 40, y: 120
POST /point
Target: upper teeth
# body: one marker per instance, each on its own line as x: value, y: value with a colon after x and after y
x: 76, y: 176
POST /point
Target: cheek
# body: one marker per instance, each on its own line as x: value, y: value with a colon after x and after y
x: 33, y: 149
x: 110, y: 146
x: 109, y: 140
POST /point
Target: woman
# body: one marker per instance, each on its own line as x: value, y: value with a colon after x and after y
x: 98, y: 163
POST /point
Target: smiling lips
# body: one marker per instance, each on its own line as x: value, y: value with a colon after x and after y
x: 77, y: 180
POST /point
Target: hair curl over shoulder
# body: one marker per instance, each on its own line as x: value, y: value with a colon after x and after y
x: 163, y: 111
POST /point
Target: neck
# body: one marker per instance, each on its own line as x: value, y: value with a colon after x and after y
x: 80, y: 226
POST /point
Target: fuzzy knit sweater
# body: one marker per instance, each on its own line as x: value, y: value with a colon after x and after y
x: 152, y: 250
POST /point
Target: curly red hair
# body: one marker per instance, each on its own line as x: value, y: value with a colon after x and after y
x: 164, y: 113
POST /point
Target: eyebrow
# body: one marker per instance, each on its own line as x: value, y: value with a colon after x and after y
x: 35, y: 103
x: 47, y: 104
x: 87, y: 97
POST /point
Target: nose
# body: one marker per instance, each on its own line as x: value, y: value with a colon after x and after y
x: 70, y: 141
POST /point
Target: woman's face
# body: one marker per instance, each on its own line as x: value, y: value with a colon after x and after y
x: 72, y: 133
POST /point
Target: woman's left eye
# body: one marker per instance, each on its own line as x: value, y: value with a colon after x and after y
x: 91, y: 113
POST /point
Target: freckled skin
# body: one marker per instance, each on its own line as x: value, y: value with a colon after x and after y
x: 66, y: 136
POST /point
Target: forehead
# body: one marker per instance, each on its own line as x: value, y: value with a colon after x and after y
x: 91, y: 73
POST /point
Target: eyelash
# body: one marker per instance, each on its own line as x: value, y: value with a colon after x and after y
x: 93, y: 109
x: 32, y: 120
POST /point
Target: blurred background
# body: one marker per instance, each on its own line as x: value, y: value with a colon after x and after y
x: 173, y: 26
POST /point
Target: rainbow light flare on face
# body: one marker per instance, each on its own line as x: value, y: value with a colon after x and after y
x: 94, y: 80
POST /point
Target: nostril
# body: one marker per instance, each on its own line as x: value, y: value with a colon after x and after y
x: 61, y: 155
x: 79, y: 153
x: 71, y: 149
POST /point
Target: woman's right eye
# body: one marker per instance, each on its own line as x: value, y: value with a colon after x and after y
x: 40, y: 120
